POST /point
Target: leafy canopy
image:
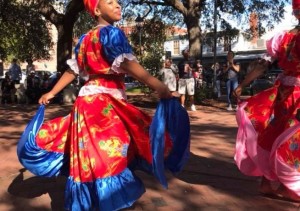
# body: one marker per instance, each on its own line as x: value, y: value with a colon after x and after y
x: 24, y: 33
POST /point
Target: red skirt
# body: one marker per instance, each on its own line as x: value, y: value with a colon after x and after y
x: 102, y: 135
x: 268, y: 140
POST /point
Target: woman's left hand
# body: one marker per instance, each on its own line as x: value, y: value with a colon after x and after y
x: 237, y: 92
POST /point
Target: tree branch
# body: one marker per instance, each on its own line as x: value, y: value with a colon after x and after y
x: 176, y: 4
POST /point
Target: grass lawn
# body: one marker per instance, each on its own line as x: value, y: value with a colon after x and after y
x: 134, y: 90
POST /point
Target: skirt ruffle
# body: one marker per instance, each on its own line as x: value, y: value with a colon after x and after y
x: 107, y: 194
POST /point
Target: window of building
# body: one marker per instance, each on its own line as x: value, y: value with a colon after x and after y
x: 176, y: 47
x: 226, y: 43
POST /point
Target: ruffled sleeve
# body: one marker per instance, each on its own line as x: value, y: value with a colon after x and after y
x: 273, y: 44
x: 115, y: 47
x: 73, y: 63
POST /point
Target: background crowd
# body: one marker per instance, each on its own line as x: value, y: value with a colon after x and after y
x: 29, y: 85
x: 190, y: 75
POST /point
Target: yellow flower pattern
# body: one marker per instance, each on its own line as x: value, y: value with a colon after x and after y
x: 99, y: 131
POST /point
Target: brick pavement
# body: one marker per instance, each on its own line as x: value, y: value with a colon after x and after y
x: 210, y: 180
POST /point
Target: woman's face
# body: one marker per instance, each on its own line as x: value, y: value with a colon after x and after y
x: 109, y: 11
x: 230, y: 55
x: 168, y: 63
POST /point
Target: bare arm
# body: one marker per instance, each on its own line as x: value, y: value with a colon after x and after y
x: 65, y: 79
x: 236, y: 67
x: 257, y: 69
x: 138, y: 72
x: 231, y: 65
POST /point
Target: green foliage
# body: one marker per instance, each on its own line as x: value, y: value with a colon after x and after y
x: 208, y: 38
x: 24, y: 33
x: 168, y: 14
x: 153, y: 36
x: 182, y: 13
x: 203, y: 93
x: 83, y: 24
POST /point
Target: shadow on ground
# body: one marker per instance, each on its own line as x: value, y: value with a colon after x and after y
x: 222, y: 176
x: 216, y: 171
x: 35, y: 187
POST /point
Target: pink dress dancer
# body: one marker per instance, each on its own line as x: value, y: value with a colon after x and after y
x: 268, y: 139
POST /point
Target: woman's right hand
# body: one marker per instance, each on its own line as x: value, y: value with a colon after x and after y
x: 45, y: 99
x: 164, y: 94
x: 175, y: 94
x: 259, y: 65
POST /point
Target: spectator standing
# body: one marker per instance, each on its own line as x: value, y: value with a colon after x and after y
x: 219, y: 74
x: 186, y: 83
x: 33, y: 91
x: 45, y: 83
x: 1, y: 68
x: 168, y: 73
x: 30, y: 67
x: 198, y: 74
x: 52, y: 81
x: 7, y: 88
x: 15, y: 72
x: 208, y: 75
x: 232, y: 70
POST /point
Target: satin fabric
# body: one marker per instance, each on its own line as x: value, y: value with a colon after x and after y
x: 119, y: 191
x: 268, y: 139
x: 39, y: 161
x: 172, y: 117
x: 104, y: 138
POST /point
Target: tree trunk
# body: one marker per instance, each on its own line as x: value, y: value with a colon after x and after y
x: 64, y: 45
x: 194, y: 35
x: 64, y: 24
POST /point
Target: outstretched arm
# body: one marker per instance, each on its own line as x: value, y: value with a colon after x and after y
x: 138, y: 72
x: 257, y: 69
x: 65, y: 79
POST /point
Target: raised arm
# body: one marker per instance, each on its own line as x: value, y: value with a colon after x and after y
x: 236, y: 67
x: 231, y: 65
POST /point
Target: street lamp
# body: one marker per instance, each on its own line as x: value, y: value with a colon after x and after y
x: 215, y: 46
x: 139, y: 25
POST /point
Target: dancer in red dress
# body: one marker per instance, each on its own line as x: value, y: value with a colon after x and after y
x: 104, y: 137
x: 268, y: 140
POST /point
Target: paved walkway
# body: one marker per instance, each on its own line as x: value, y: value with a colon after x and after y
x: 210, y: 181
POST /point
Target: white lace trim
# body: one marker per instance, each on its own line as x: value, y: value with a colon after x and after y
x: 117, y: 62
x: 289, y: 80
x: 94, y: 89
x: 74, y: 66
